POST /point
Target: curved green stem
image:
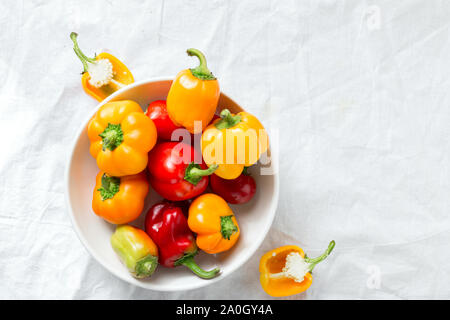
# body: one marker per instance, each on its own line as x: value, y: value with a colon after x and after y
x: 202, y: 72
x: 227, y: 120
x: 191, y: 264
x: 194, y: 173
x: 315, y: 261
x: 79, y: 53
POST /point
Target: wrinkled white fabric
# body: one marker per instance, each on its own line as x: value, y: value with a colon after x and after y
x: 359, y: 91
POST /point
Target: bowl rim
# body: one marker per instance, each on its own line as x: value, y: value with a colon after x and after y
x: 147, y: 285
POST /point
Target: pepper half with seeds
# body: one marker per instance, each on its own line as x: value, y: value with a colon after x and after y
x: 286, y: 270
x: 102, y: 75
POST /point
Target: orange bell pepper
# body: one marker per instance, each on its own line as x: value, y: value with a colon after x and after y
x: 233, y: 142
x: 214, y: 222
x: 102, y: 75
x: 121, y: 136
x: 193, y: 95
x: 119, y: 200
x: 287, y: 271
x: 136, y: 250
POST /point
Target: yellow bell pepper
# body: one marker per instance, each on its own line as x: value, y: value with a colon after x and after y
x: 214, y: 222
x: 286, y: 271
x: 120, y: 200
x: 121, y: 136
x: 233, y: 142
x: 193, y: 95
x: 102, y: 75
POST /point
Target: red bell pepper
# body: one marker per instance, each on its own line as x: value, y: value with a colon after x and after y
x: 173, y: 173
x: 157, y: 111
x: 214, y: 118
x: 166, y: 224
x: 234, y: 191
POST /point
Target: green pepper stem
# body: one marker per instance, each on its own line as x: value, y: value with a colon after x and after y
x: 315, y: 261
x: 203, y: 172
x: 202, y: 72
x: 79, y: 53
x: 110, y: 186
x: 227, y: 120
x: 194, y: 173
x: 227, y: 227
x: 146, y: 266
x: 191, y: 264
x: 112, y: 136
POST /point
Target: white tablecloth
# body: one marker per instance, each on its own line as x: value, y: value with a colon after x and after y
x: 359, y: 91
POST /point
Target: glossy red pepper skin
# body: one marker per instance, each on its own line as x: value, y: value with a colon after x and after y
x: 167, y: 164
x: 167, y: 225
x: 157, y: 111
x: 214, y: 118
x: 236, y: 191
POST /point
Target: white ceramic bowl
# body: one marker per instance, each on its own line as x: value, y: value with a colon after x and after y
x: 254, y: 218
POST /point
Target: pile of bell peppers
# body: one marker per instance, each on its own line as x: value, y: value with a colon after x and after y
x: 135, y: 150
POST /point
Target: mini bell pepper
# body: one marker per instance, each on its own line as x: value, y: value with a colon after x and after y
x: 102, y: 75
x: 121, y: 136
x: 236, y: 191
x: 214, y: 222
x: 136, y: 250
x: 233, y: 142
x: 166, y: 224
x: 173, y: 173
x: 119, y: 200
x: 157, y: 111
x: 287, y: 271
x: 193, y: 95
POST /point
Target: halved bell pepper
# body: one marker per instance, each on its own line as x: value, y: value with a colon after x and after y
x: 119, y: 200
x: 121, y: 136
x: 193, y: 95
x: 233, y: 142
x: 214, y: 222
x: 102, y: 75
x: 286, y: 270
x: 136, y: 250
